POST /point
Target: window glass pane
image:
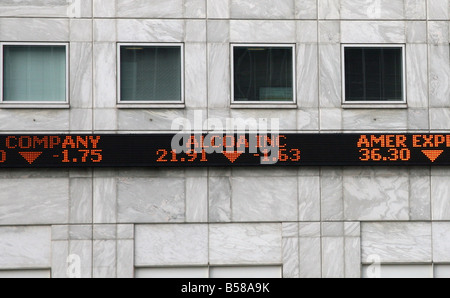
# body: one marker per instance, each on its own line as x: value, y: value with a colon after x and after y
x: 24, y: 273
x: 263, y: 74
x: 442, y: 271
x: 212, y: 272
x: 34, y: 73
x: 398, y: 271
x: 173, y: 272
x: 246, y: 272
x: 373, y: 74
x: 150, y: 73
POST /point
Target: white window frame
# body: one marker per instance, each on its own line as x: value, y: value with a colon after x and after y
x: 25, y: 273
x: 248, y: 271
x: 375, y: 104
x: 433, y: 270
x: 35, y: 104
x: 150, y: 103
x: 265, y: 104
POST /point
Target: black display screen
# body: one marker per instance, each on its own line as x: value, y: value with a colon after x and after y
x: 205, y: 150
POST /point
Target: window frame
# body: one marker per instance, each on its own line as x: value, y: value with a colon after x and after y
x: 207, y: 271
x: 148, y: 103
x: 35, y: 104
x: 265, y: 104
x: 376, y: 104
x: 433, y: 268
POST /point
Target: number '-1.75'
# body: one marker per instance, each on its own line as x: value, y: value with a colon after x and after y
x: 93, y: 155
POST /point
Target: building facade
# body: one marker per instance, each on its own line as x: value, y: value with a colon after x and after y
x: 249, y: 221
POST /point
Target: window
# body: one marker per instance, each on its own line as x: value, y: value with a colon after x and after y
x: 263, y: 74
x: 25, y: 273
x: 211, y: 272
x: 150, y: 73
x: 374, y: 74
x: 34, y: 73
x: 172, y: 272
x: 397, y: 271
x: 406, y: 271
x: 247, y: 272
x: 442, y: 271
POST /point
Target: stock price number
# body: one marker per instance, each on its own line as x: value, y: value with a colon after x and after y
x: 393, y: 154
x: 172, y: 156
x: 289, y: 155
x: 82, y: 156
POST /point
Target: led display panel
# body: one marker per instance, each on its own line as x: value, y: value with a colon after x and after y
x: 216, y: 149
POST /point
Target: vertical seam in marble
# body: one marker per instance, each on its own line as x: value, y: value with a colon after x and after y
x: 432, y: 246
x: 298, y: 252
x: 186, y: 219
x: 92, y: 199
x: 298, y: 249
x: 319, y: 113
x: 428, y: 63
x: 298, y: 199
x: 344, y: 240
x: 282, y: 250
x: 116, y: 200
x: 92, y: 129
x: 344, y: 215
x: 340, y: 9
x: 207, y: 113
x: 295, y: 79
x: 320, y: 193
x: 405, y: 17
x: 430, y: 198
x: 321, y: 251
x: 209, y: 245
x: 231, y: 197
x: 405, y: 34
x: 207, y: 215
x: 341, y: 76
x: 134, y: 248
x: 342, y: 203
x: 92, y: 69
x: 116, y: 124
x: 320, y: 220
x: 133, y: 274
x: 116, y: 259
x: 410, y: 207
x: 69, y: 201
x: 360, y: 249
x: 69, y: 247
x: 207, y: 80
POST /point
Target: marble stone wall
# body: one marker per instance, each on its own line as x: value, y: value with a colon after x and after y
x: 314, y: 222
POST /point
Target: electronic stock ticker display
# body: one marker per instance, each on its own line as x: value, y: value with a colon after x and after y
x: 206, y: 150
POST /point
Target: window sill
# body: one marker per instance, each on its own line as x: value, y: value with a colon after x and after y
x: 151, y: 106
x: 34, y: 105
x: 374, y: 106
x: 264, y: 106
